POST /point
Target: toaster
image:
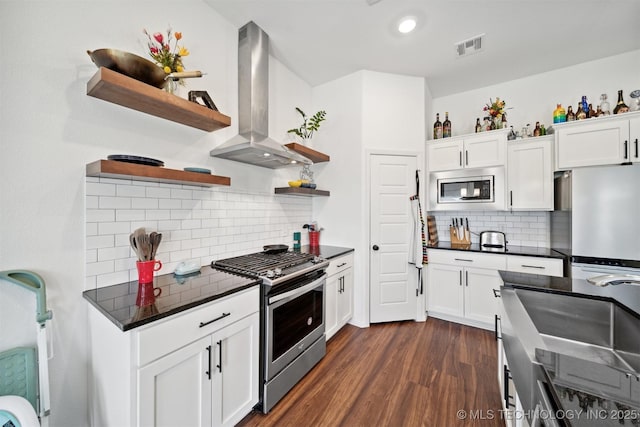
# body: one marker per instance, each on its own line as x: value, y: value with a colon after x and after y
x: 493, y: 240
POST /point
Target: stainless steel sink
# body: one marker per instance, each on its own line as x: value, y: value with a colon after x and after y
x: 596, y: 330
x: 592, y: 330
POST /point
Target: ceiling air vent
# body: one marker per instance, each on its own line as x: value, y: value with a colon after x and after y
x: 470, y: 46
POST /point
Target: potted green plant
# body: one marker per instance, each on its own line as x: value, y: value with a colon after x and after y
x: 309, y: 125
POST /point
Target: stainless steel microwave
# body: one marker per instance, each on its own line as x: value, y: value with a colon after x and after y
x: 467, y: 189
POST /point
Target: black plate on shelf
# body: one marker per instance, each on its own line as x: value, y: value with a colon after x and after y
x: 135, y: 159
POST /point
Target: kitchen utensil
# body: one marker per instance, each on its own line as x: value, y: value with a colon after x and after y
x: 154, y: 239
x: 135, y: 159
x: 275, y: 249
x: 314, y: 238
x: 132, y: 241
x: 130, y: 65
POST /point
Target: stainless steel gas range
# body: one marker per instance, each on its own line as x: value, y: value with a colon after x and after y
x: 292, y: 311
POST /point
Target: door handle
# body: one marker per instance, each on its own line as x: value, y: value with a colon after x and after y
x: 511, y: 198
x: 460, y: 277
x: 466, y: 278
x: 208, y: 373
x: 466, y: 157
x: 219, y: 355
x: 496, y: 293
x: 460, y: 156
x: 496, y: 319
x: 375, y: 247
x: 202, y: 324
x: 636, y: 142
x: 626, y: 149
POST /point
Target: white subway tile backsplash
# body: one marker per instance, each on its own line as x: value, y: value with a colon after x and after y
x: 196, y: 222
x: 521, y: 228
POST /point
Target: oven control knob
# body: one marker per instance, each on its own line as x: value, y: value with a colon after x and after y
x: 277, y: 272
x: 270, y: 274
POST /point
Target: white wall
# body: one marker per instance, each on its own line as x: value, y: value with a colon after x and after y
x: 365, y: 111
x: 534, y: 98
x: 51, y: 129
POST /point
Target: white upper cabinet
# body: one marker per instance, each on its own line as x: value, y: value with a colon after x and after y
x: 530, y: 174
x: 594, y: 142
x: 467, y: 151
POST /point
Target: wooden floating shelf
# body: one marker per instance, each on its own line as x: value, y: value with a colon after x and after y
x: 300, y: 191
x: 119, y: 89
x: 124, y: 170
x: 313, y: 155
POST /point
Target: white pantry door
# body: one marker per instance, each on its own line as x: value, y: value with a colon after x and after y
x: 393, y: 280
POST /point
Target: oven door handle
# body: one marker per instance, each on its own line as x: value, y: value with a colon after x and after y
x: 298, y: 291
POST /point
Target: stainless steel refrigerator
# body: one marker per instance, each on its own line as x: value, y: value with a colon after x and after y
x: 604, y: 219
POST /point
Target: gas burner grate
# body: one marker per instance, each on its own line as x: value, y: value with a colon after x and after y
x: 259, y: 263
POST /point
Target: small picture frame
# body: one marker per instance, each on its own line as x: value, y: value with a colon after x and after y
x: 196, y: 95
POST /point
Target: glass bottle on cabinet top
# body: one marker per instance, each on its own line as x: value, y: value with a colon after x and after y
x: 478, y: 125
x: 580, y: 114
x: 634, y: 105
x: 559, y: 114
x: 570, y: 114
x: 437, y: 127
x: 620, y: 107
x: 604, y: 105
x: 446, y: 126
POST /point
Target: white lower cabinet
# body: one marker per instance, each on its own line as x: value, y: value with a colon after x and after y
x: 339, y: 294
x: 512, y: 411
x: 196, y: 368
x: 209, y: 382
x: 460, y: 286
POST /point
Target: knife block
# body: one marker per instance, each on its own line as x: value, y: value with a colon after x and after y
x: 463, y: 242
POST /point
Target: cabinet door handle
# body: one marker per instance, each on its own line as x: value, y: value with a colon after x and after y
x: 466, y: 157
x: 533, y: 266
x: 460, y: 156
x: 511, y: 198
x: 209, y: 364
x: 460, y: 277
x: 341, y: 265
x: 505, y: 382
x: 214, y: 320
x: 219, y: 366
x: 496, y: 319
x: 462, y: 259
x: 496, y: 293
x: 636, y: 142
x: 466, y: 278
x: 626, y: 149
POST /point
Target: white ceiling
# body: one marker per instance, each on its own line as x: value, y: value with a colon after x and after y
x: 321, y: 40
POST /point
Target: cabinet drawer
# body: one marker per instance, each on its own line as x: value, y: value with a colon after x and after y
x: 535, y: 265
x: 179, y: 330
x: 340, y: 264
x: 468, y: 259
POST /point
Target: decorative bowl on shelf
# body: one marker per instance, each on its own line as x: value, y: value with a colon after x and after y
x: 130, y: 65
x: 297, y: 183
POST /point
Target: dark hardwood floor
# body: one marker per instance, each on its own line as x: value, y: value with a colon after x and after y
x: 401, y: 374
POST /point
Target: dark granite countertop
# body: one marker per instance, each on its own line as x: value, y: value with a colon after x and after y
x: 627, y: 296
x: 179, y: 293
x: 327, y: 252
x: 591, y: 392
x: 511, y: 250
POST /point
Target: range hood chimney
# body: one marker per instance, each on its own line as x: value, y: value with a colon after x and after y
x: 252, y: 145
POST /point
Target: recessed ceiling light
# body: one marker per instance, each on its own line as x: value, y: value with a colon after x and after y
x: 407, y: 24
x: 266, y: 154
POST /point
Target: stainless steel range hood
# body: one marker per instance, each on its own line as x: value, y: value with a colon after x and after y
x: 252, y: 144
